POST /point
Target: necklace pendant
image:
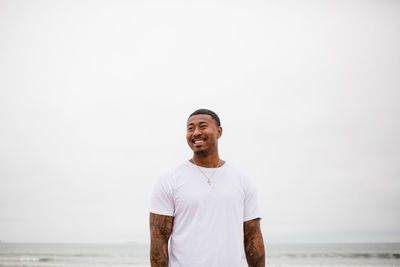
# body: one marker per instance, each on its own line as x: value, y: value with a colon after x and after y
x: 209, y: 182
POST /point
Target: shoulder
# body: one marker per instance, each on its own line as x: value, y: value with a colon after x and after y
x: 245, y: 180
x: 234, y: 170
x: 171, y: 174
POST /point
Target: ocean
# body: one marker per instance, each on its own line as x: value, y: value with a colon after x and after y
x: 119, y: 255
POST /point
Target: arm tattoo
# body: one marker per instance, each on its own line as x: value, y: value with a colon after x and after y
x: 253, y: 243
x: 160, y: 231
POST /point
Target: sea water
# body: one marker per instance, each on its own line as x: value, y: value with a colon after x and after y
x: 278, y: 255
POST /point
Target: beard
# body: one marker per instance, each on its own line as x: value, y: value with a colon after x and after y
x: 202, y: 153
x: 205, y: 152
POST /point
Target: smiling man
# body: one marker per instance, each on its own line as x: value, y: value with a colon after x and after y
x: 203, y: 212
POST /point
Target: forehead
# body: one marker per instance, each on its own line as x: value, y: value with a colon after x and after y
x: 195, y: 119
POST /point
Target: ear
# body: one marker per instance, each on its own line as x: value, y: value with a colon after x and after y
x: 219, y: 132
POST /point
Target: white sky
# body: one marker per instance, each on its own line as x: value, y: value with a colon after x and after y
x: 94, y: 97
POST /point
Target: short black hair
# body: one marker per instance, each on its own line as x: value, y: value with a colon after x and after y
x: 207, y: 112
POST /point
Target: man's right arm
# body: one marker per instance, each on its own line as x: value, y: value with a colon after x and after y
x: 160, y: 231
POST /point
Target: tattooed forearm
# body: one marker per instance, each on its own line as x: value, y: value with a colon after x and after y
x: 160, y: 231
x: 254, y: 244
x: 159, y: 254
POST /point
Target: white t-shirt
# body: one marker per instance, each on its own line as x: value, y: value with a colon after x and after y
x: 208, y: 219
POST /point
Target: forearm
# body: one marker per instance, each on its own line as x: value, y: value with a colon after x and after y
x: 255, y: 252
x: 159, y: 253
x: 160, y: 231
x: 254, y: 244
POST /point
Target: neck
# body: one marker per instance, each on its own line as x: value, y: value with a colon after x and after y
x: 208, y: 161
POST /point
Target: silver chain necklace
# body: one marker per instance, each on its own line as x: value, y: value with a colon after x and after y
x: 207, y: 177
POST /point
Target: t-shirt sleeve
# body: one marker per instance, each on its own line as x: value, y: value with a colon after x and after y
x: 162, y: 197
x: 251, y: 210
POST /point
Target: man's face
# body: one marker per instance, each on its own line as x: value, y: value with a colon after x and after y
x: 202, y: 134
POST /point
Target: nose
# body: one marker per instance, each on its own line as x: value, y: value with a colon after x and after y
x: 196, y: 131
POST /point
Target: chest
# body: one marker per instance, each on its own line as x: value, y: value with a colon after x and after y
x: 195, y: 195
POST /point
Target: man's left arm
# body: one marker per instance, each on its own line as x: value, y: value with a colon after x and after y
x: 253, y: 243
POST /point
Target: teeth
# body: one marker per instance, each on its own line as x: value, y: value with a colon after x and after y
x: 198, y: 141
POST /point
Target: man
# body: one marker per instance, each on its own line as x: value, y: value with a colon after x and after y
x: 206, y: 207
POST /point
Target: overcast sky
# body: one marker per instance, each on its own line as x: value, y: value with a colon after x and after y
x: 94, y: 97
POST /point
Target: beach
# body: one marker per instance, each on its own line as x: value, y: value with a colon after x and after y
x: 133, y: 254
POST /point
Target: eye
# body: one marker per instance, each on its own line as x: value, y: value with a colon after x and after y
x: 203, y: 126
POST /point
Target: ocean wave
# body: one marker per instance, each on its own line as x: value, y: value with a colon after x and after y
x: 59, y: 255
x: 46, y: 259
x: 341, y: 255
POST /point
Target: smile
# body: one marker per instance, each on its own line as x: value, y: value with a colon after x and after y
x: 198, y: 141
